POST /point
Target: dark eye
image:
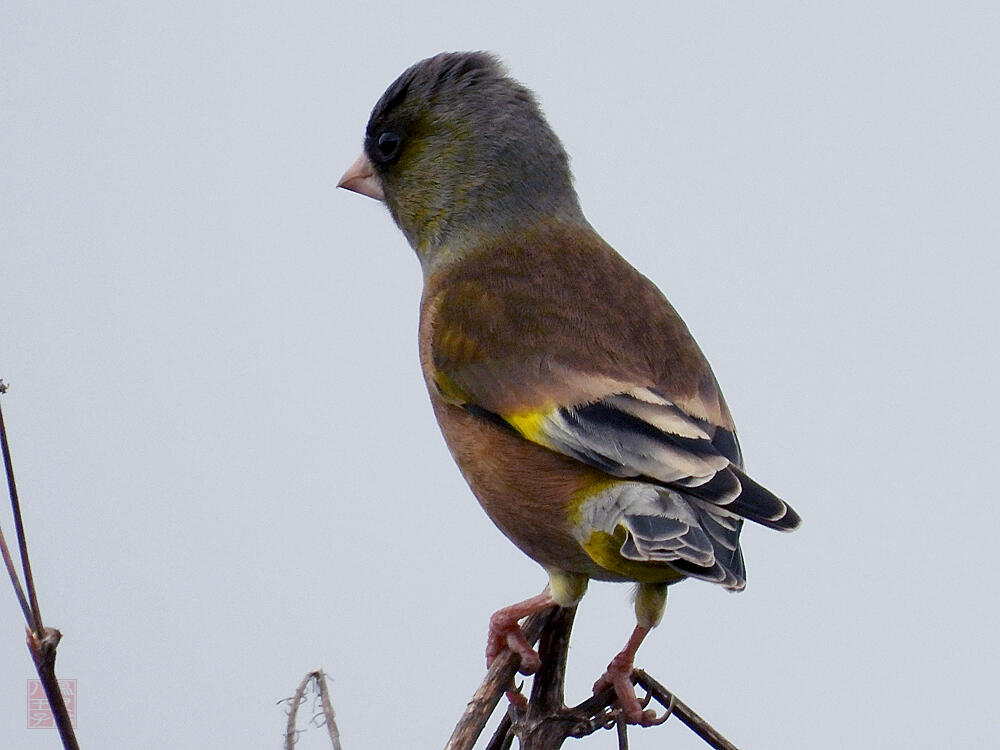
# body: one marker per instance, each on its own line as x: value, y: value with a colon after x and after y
x: 387, y: 146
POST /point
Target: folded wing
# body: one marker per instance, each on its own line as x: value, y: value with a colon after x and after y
x: 640, y: 434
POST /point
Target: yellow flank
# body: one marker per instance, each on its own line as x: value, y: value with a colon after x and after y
x: 604, y: 549
x: 531, y: 424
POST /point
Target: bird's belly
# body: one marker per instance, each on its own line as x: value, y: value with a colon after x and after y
x: 528, y: 491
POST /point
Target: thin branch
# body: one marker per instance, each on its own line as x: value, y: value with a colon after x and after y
x: 318, y: 678
x: 503, y: 737
x: 498, y: 679
x: 324, y: 697
x: 36, y: 615
x: 42, y: 641
x: 14, y: 580
x: 291, y: 733
x: 8, y: 561
x: 547, y: 722
x: 43, y: 653
x: 596, y: 712
x: 547, y: 689
x: 683, y: 712
x: 622, y: 728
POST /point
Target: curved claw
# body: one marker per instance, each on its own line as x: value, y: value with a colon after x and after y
x: 516, y: 698
x: 619, y: 676
x: 649, y: 718
x: 633, y: 709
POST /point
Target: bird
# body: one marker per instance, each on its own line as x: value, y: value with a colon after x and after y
x: 578, y: 406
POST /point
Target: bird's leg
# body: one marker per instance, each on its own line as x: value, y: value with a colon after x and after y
x: 619, y: 676
x: 649, y: 604
x: 565, y: 589
x: 505, y: 632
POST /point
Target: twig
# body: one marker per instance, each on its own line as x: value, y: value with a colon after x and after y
x: 291, y: 733
x: 43, y: 653
x: 622, y: 728
x: 548, y: 687
x: 36, y: 616
x: 324, y: 697
x: 318, y: 678
x: 547, y: 722
x: 498, y: 679
x: 7, y: 559
x: 503, y: 737
x: 683, y: 712
x: 32, y: 614
x: 42, y: 641
x: 14, y: 580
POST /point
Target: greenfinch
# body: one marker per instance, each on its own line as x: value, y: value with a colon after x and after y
x: 574, y: 400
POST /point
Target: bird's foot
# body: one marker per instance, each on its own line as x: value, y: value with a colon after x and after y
x: 505, y: 632
x: 619, y: 677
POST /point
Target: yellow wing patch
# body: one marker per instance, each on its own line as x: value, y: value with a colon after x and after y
x: 531, y: 424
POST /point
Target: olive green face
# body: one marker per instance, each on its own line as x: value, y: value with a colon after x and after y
x: 461, y: 149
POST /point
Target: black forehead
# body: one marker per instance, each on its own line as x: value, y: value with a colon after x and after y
x: 428, y: 77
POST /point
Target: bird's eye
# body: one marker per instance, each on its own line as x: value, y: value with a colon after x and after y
x: 387, y: 145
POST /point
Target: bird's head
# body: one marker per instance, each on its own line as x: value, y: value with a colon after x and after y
x: 460, y: 151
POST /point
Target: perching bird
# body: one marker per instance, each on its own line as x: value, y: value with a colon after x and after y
x: 572, y: 396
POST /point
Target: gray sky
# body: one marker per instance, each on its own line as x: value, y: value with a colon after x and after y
x: 229, y: 466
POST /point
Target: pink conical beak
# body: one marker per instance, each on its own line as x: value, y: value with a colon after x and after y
x: 361, y: 178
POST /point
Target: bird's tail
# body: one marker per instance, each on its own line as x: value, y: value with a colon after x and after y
x: 760, y: 505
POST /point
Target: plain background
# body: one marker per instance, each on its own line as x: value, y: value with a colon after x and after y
x: 230, y: 471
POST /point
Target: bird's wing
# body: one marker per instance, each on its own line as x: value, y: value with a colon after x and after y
x: 637, y: 433
x: 621, y: 387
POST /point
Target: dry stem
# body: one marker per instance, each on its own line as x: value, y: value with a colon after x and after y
x: 42, y: 641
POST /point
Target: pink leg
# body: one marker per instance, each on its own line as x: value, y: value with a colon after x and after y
x: 505, y: 632
x: 619, y: 676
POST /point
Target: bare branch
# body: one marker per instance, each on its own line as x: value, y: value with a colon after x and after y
x: 683, y: 712
x: 14, y: 580
x: 503, y: 737
x: 291, y: 733
x: 42, y: 641
x: 622, y: 728
x: 549, y: 684
x: 324, y: 696
x: 43, y: 653
x: 318, y: 678
x: 36, y: 615
x: 498, y: 679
